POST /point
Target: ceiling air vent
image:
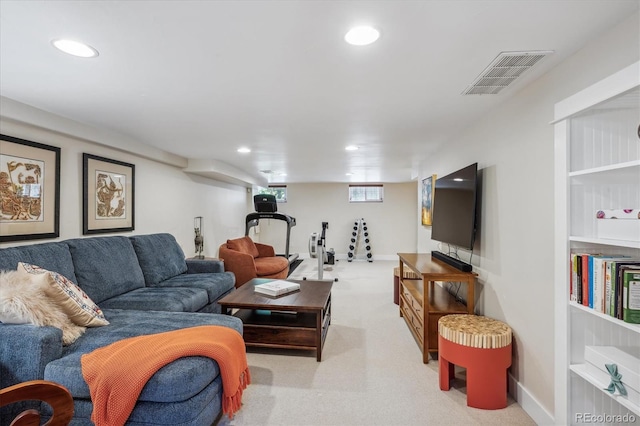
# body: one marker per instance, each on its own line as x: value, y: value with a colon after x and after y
x: 503, y: 71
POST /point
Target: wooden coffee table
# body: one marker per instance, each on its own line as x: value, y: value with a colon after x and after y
x: 298, y: 320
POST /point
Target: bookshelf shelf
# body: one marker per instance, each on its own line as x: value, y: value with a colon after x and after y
x: 607, y: 242
x: 581, y: 370
x: 597, y: 167
x: 633, y: 327
x: 621, y: 170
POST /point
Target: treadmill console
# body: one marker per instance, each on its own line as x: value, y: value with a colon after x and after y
x: 265, y: 203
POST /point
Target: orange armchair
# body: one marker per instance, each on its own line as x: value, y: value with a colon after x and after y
x: 247, y: 260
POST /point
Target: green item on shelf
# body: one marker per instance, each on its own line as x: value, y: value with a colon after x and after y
x: 616, y: 380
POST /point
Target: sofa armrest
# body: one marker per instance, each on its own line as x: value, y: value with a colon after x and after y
x: 265, y: 250
x: 25, y: 350
x: 241, y: 264
x: 204, y: 266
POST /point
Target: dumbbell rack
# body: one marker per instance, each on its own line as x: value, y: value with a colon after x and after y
x: 360, y: 233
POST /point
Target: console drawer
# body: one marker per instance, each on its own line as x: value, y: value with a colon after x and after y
x: 414, y: 323
x: 412, y: 291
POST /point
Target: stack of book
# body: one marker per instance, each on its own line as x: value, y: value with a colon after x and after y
x: 277, y: 288
x: 609, y: 284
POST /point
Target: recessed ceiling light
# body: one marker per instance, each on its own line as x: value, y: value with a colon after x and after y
x: 75, y: 48
x: 351, y: 148
x: 348, y: 174
x: 244, y: 150
x: 361, y: 36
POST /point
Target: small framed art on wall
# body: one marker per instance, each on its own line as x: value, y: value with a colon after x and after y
x: 108, y: 202
x: 427, y: 200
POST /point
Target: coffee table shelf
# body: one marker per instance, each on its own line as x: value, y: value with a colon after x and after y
x: 298, y: 320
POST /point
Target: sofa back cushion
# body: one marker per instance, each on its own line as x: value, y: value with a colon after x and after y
x: 160, y: 257
x: 243, y: 245
x: 105, y: 266
x: 51, y: 256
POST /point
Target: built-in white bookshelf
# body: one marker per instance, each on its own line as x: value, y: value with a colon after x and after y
x: 597, y: 166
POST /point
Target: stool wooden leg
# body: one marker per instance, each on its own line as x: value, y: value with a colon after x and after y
x: 446, y: 372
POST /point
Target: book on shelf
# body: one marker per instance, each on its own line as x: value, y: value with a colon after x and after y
x: 602, y: 287
x: 277, y: 288
x: 580, y: 278
x: 618, y: 275
x: 596, y: 281
x: 631, y: 294
x: 584, y: 278
x: 574, y: 293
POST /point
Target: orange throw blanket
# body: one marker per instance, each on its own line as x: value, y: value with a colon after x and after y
x: 117, y: 373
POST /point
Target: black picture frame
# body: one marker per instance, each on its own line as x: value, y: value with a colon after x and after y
x: 30, y: 190
x: 108, y: 195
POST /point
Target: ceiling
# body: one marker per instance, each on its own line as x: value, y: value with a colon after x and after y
x: 202, y: 78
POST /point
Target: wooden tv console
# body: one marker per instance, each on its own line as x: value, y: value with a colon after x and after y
x: 423, y: 302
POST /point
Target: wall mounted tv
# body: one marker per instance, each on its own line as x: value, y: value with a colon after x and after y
x: 454, y: 208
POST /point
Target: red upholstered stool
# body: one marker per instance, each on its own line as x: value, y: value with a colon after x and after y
x: 482, y: 346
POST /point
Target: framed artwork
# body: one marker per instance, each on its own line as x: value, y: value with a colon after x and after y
x: 108, y: 201
x: 29, y: 190
x: 427, y: 199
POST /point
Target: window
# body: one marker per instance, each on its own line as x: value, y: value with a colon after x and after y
x: 279, y: 191
x: 365, y: 193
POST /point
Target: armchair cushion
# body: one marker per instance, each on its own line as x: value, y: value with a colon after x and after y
x: 243, y: 245
x: 265, y: 250
x: 263, y: 263
x: 272, y: 267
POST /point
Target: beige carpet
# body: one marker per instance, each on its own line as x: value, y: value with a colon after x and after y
x: 371, y: 371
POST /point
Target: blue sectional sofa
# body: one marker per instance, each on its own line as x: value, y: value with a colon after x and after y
x: 144, y: 285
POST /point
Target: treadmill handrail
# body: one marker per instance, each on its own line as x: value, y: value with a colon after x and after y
x: 266, y: 215
x: 253, y: 219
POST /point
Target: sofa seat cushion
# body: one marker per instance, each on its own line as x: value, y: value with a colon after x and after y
x: 173, y: 299
x: 198, y: 410
x: 243, y: 245
x: 105, y: 266
x: 184, y: 377
x: 51, y: 256
x: 267, y: 266
x: 216, y: 285
x: 160, y: 257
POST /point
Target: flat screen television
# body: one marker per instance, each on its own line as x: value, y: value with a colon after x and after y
x: 454, y: 208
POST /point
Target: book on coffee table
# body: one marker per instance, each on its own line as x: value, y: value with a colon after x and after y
x: 276, y: 288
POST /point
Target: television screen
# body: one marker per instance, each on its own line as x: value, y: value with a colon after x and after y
x: 454, y: 208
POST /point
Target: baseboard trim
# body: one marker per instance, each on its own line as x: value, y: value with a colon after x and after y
x: 357, y: 257
x: 529, y: 403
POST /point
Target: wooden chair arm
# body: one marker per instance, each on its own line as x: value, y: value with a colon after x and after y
x: 57, y: 396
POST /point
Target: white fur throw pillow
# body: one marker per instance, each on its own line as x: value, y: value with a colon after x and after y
x: 24, y: 301
x: 71, y: 298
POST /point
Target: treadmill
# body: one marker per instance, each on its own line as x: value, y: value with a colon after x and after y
x: 267, y: 208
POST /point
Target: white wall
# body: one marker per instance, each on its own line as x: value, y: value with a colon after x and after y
x: 391, y: 224
x: 167, y: 199
x: 513, y: 145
